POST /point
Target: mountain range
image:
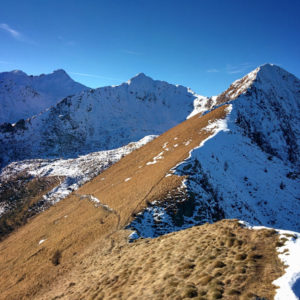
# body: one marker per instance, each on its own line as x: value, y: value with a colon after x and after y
x: 146, y: 159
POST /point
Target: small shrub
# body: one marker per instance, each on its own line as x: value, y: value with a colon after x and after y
x: 56, y: 258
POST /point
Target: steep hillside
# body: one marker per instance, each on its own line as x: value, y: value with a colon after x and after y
x: 249, y: 171
x: 31, y: 186
x: 22, y: 96
x: 101, y: 119
x: 97, y: 212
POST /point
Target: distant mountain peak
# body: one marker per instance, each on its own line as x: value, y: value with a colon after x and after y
x: 140, y: 78
x: 60, y: 72
x: 23, y: 96
x: 18, y: 72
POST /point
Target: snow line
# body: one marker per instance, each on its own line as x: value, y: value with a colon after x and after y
x: 289, y: 254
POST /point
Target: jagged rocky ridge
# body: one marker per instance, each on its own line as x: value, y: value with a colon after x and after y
x: 100, y: 119
x: 22, y: 96
x: 249, y: 170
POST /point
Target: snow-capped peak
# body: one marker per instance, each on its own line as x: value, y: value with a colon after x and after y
x: 22, y: 95
x: 18, y: 72
x: 139, y: 79
x: 60, y: 72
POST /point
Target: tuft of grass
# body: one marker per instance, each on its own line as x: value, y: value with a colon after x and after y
x: 219, y: 264
x: 234, y: 292
x: 241, y: 256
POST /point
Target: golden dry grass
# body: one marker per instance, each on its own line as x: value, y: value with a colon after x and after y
x: 78, y: 236
x: 220, y: 260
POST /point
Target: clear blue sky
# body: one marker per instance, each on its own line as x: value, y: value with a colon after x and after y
x: 203, y: 44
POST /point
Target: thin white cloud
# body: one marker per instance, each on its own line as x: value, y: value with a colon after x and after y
x: 3, y: 62
x: 94, y: 76
x: 239, y: 68
x: 14, y: 33
x: 212, y: 71
x: 233, y: 69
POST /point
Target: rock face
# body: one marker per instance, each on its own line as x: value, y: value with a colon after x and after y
x: 22, y: 96
x: 100, y: 119
x: 250, y: 169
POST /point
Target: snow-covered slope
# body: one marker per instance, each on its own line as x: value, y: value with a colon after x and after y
x: 249, y: 170
x: 22, y: 96
x: 100, y: 119
x: 75, y: 172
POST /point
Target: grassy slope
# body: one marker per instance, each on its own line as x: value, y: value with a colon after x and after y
x: 82, y: 234
x: 212, y: 261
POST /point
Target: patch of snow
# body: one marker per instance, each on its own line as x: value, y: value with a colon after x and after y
x: 41, y: 241
x: 155, y: 159
x: 289, y: 283
x: 289, y: 254
x: 165, y: 145
x: 187, y: 142
x: 127, y: 179
x: 2, y: 209
x: 96, y: 201
x: 201, y: 105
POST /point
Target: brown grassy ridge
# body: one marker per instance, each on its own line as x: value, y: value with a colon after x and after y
x: 77, y: 234
x: 212, y: 261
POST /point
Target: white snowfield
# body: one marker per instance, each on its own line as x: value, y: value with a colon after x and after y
x: 76, y: 171
x: 288, y: 284
x: 22, y: 96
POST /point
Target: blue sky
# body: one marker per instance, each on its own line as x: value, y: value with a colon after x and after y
x: 201, y: 44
